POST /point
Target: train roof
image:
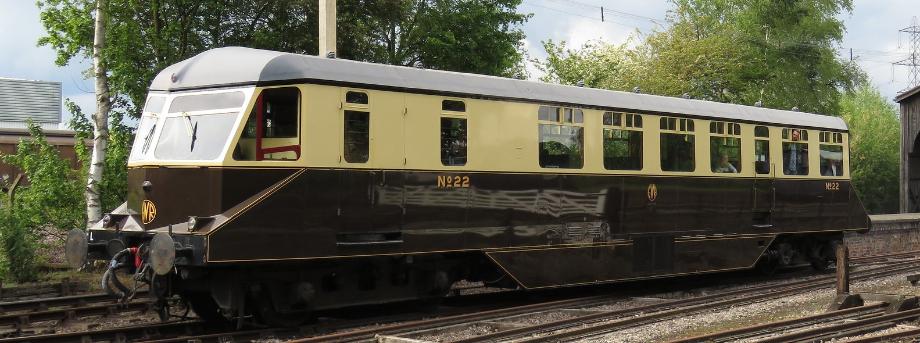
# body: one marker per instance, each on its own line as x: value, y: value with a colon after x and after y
x: 237, y: 66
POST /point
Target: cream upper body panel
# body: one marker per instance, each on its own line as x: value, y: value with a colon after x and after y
x: 404, y: 129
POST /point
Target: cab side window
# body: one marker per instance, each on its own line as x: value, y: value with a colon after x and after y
x: 272, y: 129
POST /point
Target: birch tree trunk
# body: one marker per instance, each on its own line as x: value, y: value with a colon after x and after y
x: 100, y: 120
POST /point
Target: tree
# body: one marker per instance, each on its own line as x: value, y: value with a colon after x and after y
x: 143, y: 37
x: 480, y: 37
x: 100, y: 119
x: 738, y: 51
x: 875, y: 137
x: 597, y: 64
x: 51, y: 204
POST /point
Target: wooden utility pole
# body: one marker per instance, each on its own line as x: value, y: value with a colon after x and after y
x: 326, y: 27
x: 843, y: 269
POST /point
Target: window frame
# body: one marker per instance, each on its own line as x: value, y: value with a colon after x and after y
x: 257, y: 115
x: 676, y: 126
x: 787, y: 137
x: 726, y: 130
x: 834, y: 140
x: 628, y: 123
x: 447, y: 114
x: 359, y: 108
x: 577, y: 122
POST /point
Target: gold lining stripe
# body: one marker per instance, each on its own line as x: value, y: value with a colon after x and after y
x: 485, y: 250
x: 434, y: 171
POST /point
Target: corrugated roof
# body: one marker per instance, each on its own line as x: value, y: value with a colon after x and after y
x: 907, y: 94
x: 243, y: 66
x: 25, y: 99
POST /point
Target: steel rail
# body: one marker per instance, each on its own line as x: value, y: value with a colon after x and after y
x: 746, y: 332
x: 451, y: 320
x: 63, y: 288
x: 187, y: 329
x: 845, y: 329
x: 889, y: 337
x: 117, y: 334
x: 20, y: 320
x: 414, y: 326
x: 619, y: 319
x: 42, y: 304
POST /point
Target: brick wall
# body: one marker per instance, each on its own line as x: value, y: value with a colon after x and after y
x: 889, y: 234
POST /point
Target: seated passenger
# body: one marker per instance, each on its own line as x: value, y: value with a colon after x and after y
x: 724, y: 166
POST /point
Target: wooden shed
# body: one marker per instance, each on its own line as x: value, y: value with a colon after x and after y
x: 910, y: 150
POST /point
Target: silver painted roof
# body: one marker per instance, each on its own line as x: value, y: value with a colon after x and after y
x: 238, y: 66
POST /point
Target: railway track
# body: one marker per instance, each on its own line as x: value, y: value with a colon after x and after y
x: 65, y: 287
x: 182, y: 331
x: 600, y: 322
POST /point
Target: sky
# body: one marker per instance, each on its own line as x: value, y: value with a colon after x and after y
x: 872, y: 34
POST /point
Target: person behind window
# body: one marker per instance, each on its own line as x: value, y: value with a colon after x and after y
x: 724, y: 166
x: 833, y: 169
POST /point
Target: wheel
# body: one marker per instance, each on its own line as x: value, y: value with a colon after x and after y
x: 266, y: 313
x: 767, y: 267
x: 205, y: 307
x: 820, y: 264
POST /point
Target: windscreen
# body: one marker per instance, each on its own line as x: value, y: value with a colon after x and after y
x: 186, y: 126
x: 198, y: 137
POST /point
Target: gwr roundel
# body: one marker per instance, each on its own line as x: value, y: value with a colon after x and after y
x: 652, y: 192
x: 148, y: 211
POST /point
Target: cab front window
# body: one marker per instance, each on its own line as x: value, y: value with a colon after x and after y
x: 195, y: 127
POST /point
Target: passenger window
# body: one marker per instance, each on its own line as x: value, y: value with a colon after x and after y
x: 795, y: 152
x: 272, y: 130
x: 725, y: 147
x: 762, y: 150
x: 622, y: 143
x: 453, y: 134
x: 357, y: 136
x: 677, y: 145
x: 561, y: 137
x: 831, y: 160
x: 831, y: 153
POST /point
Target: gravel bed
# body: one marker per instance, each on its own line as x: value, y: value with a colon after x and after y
x: 540, y: 317
x: 469, y: 331
x: 794, y: 306
x: 898, y: 328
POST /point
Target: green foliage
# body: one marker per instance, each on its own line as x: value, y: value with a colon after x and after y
x: 114, y: 184
x: 146, y: 36
x: 468, y: 36
x: 875, y: 138
x: 53, y: 199
x: 54, y: 195
x: 737, y: 51
x: 18, y: 246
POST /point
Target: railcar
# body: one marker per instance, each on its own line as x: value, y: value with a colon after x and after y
x: 273, y: 185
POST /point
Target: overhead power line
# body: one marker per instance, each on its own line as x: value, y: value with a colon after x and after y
x: 912, y: 62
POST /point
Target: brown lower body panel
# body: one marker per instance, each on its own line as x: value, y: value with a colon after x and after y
x: 639, y: 259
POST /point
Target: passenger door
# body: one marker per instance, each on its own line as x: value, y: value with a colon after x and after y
x: 764, y: 193
x: 371, y: 199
